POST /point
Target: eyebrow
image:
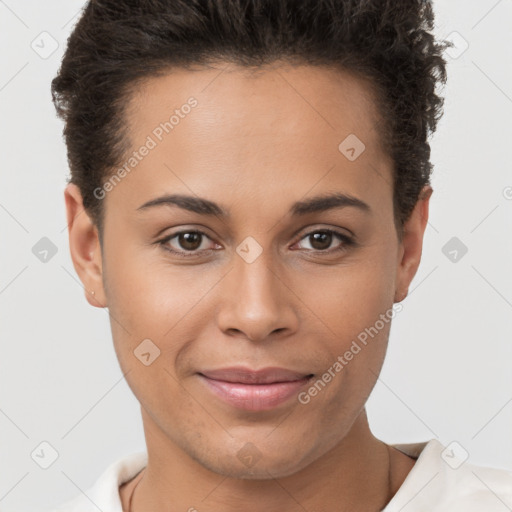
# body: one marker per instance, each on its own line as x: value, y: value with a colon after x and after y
x: 206, y: 207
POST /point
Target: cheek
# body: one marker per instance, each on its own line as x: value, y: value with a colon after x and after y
x: 149, y: 295
x: 355, y: 306
x: 352, y: 297
x: 156, y: 308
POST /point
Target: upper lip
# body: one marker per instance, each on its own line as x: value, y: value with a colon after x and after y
x: 247, y: 376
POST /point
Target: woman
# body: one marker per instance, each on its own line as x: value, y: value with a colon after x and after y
x: 255, y: 180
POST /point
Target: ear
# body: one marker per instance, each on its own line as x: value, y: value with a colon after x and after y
x: 84, y: 247
x: 412, y: 243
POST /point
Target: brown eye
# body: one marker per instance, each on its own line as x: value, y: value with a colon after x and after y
x: 190, y: 241
x: 186, y: 243
x: 321, y: 240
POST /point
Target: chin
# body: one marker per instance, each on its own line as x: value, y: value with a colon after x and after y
x: 250, y: 464
x: 260, y: 471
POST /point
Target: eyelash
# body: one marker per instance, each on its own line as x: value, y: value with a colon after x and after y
x: 347, y: 242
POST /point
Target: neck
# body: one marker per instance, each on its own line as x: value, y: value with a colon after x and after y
x: 359, y: 473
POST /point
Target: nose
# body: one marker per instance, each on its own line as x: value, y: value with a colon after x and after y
x: 257, y: 301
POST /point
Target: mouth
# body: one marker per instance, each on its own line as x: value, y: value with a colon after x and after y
x: 254, y: 390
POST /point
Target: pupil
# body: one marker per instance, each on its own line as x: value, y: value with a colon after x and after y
x: 186, y: 239
x: 322, y: 237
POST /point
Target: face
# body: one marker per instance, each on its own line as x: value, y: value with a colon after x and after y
x: 262, y: 275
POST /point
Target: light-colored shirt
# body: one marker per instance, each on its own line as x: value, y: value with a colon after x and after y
x: 440, y: 481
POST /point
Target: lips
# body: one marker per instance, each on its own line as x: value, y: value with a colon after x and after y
x: 243, y: 375
x: 254, y: 390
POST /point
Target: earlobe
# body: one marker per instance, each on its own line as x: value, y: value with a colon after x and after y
x: 84, y: 247
x: 412, y: 244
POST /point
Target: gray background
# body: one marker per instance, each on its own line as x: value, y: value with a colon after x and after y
x: 448, y: 370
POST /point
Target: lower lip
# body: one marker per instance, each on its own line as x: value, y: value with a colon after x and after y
x: 255, y: 397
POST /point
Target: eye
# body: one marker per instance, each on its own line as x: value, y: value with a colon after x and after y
x: 187, y: 241
x: 321, y: 240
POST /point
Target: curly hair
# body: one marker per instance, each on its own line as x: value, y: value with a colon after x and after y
x: 116, y: 44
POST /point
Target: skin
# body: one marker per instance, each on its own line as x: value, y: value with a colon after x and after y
x: 255, y: 144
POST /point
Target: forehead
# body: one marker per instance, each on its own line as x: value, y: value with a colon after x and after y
x: 300, y: 99
x: 254, y: 129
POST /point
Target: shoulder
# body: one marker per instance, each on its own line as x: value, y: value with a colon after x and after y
x: 104, y: 494
x: 442, y: 480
